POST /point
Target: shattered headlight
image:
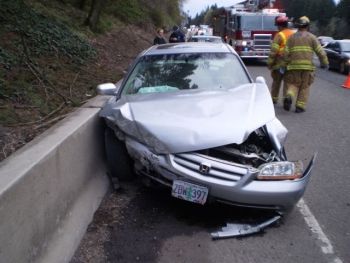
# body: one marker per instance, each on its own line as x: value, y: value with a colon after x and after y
x: 280, y: 171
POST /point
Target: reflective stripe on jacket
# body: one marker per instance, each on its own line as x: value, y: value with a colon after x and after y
x: 275, y: 60
x: 300, y: 49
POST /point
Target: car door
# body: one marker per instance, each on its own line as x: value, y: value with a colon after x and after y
x: 331, y: 54
x: 337, y: 55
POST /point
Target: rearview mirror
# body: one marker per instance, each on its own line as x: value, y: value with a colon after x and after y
x: 261, y: 80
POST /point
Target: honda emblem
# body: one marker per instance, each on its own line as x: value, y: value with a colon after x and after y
x: 204, y: 168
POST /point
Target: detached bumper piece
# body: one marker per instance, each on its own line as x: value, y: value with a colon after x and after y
x: 238, y: 230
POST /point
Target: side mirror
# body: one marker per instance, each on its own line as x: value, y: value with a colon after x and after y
x: 261, y: 80
x: 109, y: 88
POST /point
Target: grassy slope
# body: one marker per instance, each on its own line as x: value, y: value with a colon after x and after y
x: 51, y: 63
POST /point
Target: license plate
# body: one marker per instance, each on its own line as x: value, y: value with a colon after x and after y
x: 189, y: 192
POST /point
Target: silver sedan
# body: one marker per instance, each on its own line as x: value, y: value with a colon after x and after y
x: 189, y: 116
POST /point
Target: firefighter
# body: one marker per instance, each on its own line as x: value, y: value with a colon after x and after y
x: 300, y: 69
x: 275, y: 62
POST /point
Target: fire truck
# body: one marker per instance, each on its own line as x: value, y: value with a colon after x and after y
x: 249, y: 27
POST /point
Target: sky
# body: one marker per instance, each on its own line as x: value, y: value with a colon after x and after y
x: 196, y: 6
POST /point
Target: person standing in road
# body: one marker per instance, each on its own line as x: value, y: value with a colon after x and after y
x: 300, y: 68
x: 275, y: 62
x: 176, y: 35
x: 159, y: 39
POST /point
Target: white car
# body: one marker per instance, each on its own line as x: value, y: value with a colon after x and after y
x: 189, y: 116
x: 324, y: 40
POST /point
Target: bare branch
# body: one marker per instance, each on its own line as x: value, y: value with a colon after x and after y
x: 41, y: 120
x: 50, y: 121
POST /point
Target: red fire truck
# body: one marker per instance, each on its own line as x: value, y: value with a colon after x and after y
x: 248, y: 28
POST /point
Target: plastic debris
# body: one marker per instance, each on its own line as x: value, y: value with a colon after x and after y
x: 237, y: 230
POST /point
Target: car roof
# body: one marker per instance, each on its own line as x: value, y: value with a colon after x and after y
x: 325, y: 37
x: 189, y: 47
x: 340, y: 41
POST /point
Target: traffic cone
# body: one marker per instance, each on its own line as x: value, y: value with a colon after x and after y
x: 346, y: 84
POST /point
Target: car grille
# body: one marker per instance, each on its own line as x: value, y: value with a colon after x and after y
x: 262, y: 41
x: 219, y: 169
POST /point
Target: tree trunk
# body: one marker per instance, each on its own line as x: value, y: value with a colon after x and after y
x: 94, y: 14
x: 80, y: 4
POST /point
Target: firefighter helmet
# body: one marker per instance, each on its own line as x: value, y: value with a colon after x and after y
x: 281, y: 20
x: 303, y: 21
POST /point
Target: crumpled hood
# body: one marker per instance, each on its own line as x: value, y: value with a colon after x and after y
x: 191, y: 120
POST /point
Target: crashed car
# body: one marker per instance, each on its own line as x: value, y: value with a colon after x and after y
x: 189, y: 116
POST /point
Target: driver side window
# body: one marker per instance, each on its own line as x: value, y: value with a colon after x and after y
x: 336, y: 47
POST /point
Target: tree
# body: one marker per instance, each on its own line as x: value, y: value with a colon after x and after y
x: 80, y: 4
x: 94, y: 13
x: 320, y: 13
x: 343, y: 10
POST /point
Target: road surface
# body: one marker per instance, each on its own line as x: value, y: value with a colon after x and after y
x: 146, y: 225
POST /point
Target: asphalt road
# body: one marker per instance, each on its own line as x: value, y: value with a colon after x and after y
x: 146, y: 225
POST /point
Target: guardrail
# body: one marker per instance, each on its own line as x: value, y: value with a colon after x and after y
x: 50, y: 189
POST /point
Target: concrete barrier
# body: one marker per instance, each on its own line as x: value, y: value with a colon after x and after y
x: 50, y: 189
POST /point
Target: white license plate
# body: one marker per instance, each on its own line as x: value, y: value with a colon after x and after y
x: 189, y: 192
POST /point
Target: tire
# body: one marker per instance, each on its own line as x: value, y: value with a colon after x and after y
x: 119, y: 163
x: 343, y: 68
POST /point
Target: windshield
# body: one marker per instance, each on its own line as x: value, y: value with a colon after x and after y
x: 254, y: 22
x: 345, y: 46
x: 174, y: 72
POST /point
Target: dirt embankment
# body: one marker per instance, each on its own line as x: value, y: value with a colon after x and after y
x: 115, y: 51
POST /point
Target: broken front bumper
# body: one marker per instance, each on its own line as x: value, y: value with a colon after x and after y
x: 227, y: 182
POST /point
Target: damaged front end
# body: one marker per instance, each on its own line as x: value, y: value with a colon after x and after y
x: 254, y: 173
x: 259, y: 152
x: 256, y: 150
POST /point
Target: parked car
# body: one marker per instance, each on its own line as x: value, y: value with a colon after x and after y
x: 324, y: 40
x: 338, y: 53
x: 203, y: 38
x: 189, y: 116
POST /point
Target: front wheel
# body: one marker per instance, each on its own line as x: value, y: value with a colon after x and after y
x: 343, y: 69
x: 119, y: 162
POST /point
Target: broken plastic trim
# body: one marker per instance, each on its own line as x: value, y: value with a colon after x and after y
x: 237, y: 230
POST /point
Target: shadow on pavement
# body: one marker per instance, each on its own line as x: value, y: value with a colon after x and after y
x: 146, y: 218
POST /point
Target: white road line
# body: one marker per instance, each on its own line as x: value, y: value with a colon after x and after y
x: 315, y: 227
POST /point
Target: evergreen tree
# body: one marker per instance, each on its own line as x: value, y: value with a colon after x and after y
x: 320, y: 13
x: 343, y: 10
x: 343, y: 13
